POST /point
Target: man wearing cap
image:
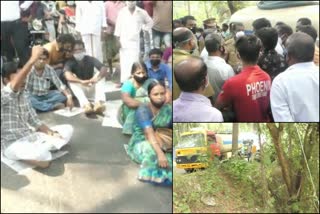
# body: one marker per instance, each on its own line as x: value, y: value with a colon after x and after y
x: 185, y: 43
x: 210, y: 23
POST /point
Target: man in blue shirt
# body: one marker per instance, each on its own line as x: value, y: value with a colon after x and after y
x: 158, y: 70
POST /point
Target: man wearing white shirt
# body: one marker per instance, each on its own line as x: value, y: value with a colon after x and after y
x: 218, y: 70
x: 15, y: 28
x: 128, y: 26
x: 295, y: 92
x: 90, y: 20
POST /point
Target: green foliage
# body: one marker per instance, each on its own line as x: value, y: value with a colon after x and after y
x: 188, y: 188
x: 238, y: 169
x: 247, y: 176
x: 202, y: 10
x: 180, y: 204
x: 217, y: 127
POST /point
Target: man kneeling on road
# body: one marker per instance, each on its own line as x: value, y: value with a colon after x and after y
x: 18, y: 140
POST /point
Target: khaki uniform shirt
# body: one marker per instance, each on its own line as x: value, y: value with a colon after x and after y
x: 231, y: 49
x: 178, y: 56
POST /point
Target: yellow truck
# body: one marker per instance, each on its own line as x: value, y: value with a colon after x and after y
x: 196, y: 148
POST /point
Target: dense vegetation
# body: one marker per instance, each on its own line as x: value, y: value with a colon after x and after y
x: 201, y: 10
x: 285, y: 180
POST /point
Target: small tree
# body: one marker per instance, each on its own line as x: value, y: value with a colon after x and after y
x: 235, y: 135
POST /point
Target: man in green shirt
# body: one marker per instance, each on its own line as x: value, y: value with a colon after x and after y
x: 184, y: 44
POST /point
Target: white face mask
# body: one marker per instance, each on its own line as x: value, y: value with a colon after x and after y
x: 198, y: 34
x: 239, y: 34
x: 79, y: 56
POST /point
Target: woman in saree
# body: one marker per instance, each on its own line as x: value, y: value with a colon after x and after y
x: 133, y: 94
x: 145, y: 146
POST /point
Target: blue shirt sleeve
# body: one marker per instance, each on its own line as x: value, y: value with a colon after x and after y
x: 144, y: 117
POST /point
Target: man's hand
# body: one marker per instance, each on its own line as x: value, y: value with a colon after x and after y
x: 85, y: 82
x: 55, y: 134
x: 70, y: 103
x: 168, y: 96
x: 36, y: 53
x: 94, y: 80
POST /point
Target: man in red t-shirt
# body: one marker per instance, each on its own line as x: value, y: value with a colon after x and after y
x: 248, y: 93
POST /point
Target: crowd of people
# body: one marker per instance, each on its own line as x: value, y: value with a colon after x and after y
x: 230, y: 74
x: 71, y: 68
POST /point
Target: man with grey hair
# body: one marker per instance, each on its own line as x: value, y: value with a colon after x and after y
x: 295, y: 92
x: 218, y: 70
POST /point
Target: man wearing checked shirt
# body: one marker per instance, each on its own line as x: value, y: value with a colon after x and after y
x: 23, y: 136
x: 38, y: 84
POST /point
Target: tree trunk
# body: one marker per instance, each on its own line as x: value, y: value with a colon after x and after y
x: 231, y: 7
x: 276, y: 134
x: 235, y: 133
x: 262, y: 166
x: 189, y: 11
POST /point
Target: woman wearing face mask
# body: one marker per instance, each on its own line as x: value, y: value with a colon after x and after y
x: 151, y: 141
x: 133, y: 93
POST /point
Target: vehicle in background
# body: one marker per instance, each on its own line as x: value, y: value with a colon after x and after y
x: 191, y: 147
x: 285, y: 11
x: 197, y: 147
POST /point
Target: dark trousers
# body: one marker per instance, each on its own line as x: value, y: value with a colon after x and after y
x: 15, y: 40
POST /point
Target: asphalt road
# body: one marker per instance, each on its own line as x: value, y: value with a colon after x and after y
x: 96, y: 176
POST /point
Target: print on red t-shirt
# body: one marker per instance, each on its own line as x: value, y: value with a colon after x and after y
x: 249, y: 94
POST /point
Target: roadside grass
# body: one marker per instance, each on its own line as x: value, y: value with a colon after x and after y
x: 230, y: 185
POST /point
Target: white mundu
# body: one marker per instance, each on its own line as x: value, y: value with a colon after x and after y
x: 82, y: 93
x: 128, y: 27
x: 90, y: 18
x: 38, y: 145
